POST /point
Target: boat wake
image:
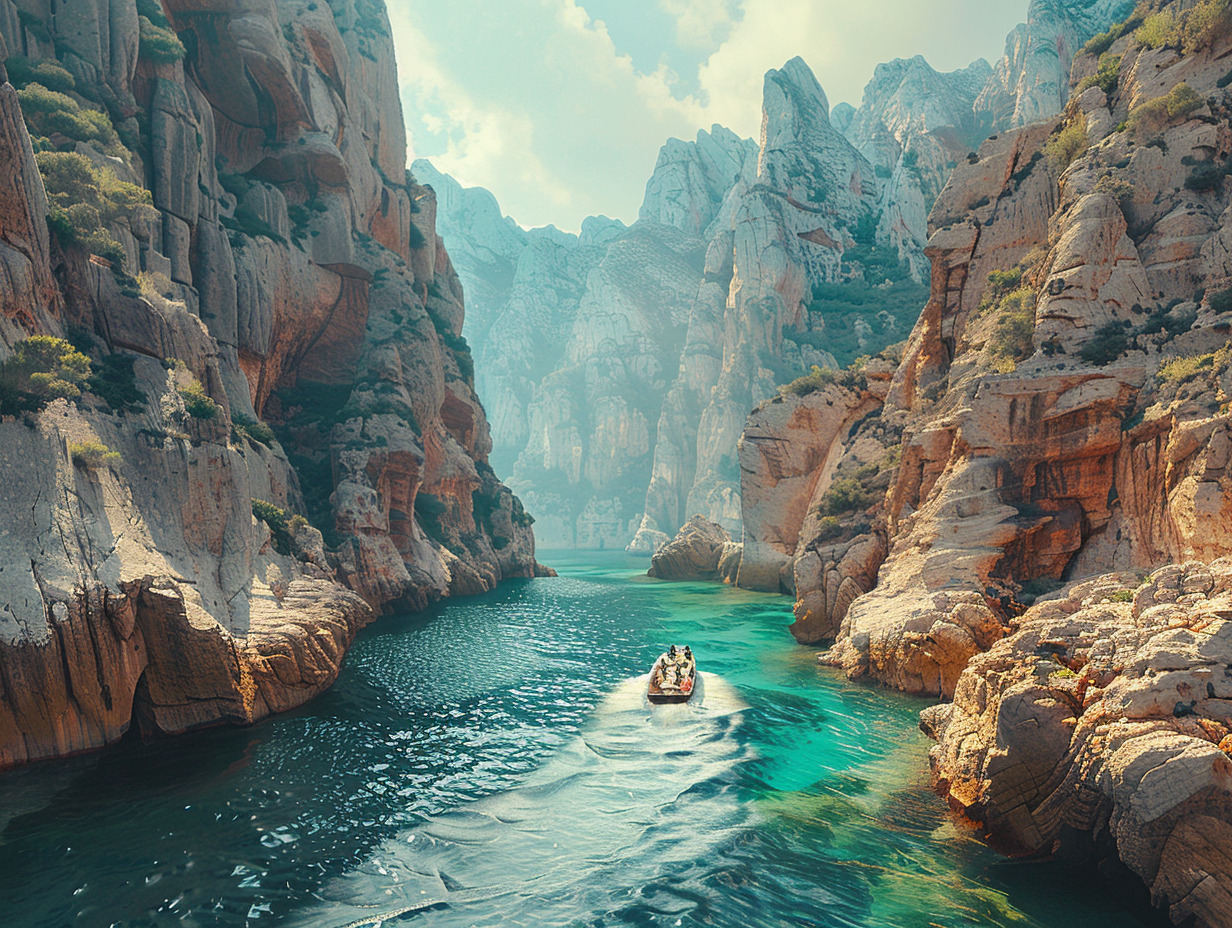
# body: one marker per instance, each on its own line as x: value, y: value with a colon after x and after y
x: 642, y: 792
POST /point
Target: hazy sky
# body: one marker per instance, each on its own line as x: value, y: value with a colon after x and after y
x: 559, y: 106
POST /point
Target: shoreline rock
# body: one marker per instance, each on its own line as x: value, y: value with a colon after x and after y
x: 701, y: 550
x: 1101, y: 727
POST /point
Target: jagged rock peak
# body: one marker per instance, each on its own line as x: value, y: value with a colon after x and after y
x: 801, y: 153
x: 600, y: 230
x: 792, y: 102
x: 691, y: 179
x: 841, y: 116
x: 906, y: 98
x: 469, y: 215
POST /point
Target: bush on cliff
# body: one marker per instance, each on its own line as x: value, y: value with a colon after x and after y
x: 1106, y: 77
x: 84, y: 201
x: 158, y: 43
x: 1110, y: 342
x: 48, y: 72
x: 48, y: 112
x: 1102, y: 42
x: 281, y: 525
x: 41, y: 369
x: 93, y: 455
x: 853, y: 493
x: 1067, y: 144
x: 243, y: 427
x: 1155, y: 115
x: 197, y: 403
x: 1188, y: 30
x: 1013, y: 334
x: 816, y: 379
x: 114, y: 382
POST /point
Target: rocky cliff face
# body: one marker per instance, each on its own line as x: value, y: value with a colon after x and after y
x: 1031, y: 82
x: 266, y: 260
x: 1060, y: 413
x: 1104, y: 722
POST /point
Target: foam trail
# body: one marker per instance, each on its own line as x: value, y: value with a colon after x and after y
x: 641, y: 790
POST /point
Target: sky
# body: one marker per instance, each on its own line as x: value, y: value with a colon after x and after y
x: 559, y: 107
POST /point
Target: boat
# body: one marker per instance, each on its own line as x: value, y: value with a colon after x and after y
x: 673, y: 676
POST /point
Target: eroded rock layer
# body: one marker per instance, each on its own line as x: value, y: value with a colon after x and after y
x: 1105, y: 720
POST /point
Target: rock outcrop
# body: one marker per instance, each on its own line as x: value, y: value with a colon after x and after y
x: 1102, y: 726
x: 229, y: 253
x: 701, y: 550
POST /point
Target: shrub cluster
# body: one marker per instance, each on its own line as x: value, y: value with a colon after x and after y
x: 1106, y: 77
x: 48, y: 72
x: 48, y: 112
x: 197, y: 402
x: 41, y: 369
x: 244, y: 427
x: 1067, y: 144
x: 159, y: 43
x: 93, y: 455
x: 1102, y: 42
x: 1013, y: 306
x: 114, y: 382
x: 281, y: 525
x: 1188, y: 30
x: 1110, y: 342
x: 1155, y: 115
x: 84, y: 201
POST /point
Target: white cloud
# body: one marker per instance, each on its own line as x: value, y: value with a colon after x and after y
x: 483, y: 141
x: 700, y: 23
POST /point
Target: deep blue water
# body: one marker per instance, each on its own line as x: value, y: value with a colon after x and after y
x: 494, y: 761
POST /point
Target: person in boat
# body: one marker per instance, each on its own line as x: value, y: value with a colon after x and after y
x: 671, y: 676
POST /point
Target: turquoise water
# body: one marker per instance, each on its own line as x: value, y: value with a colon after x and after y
x: 492, y: 762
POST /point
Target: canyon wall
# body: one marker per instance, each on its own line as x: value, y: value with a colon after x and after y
x: 1027, y: 512
x: 280, y: 436
x: 770, y: 265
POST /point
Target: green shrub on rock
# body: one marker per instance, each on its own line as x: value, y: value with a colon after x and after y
x: 48, y: 112
x: 42, y: 368
x: 244, y: 427
x: 93, y: 455
x: 48, y: 72
x: 1067, y: 144
x: 159, y: 43
x: 84, y: 201
x: 197, y: 403
x: 1110, y: 342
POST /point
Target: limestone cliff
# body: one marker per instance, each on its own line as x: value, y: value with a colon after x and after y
x: 1031, y: 81
x: 218, y: 215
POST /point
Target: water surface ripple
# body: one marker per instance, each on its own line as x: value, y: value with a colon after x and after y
x: 494, y: 762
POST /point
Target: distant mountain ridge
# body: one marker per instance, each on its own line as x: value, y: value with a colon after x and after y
x: 616, y: 407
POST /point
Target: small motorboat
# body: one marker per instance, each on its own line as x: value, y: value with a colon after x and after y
x: 673, y: 676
